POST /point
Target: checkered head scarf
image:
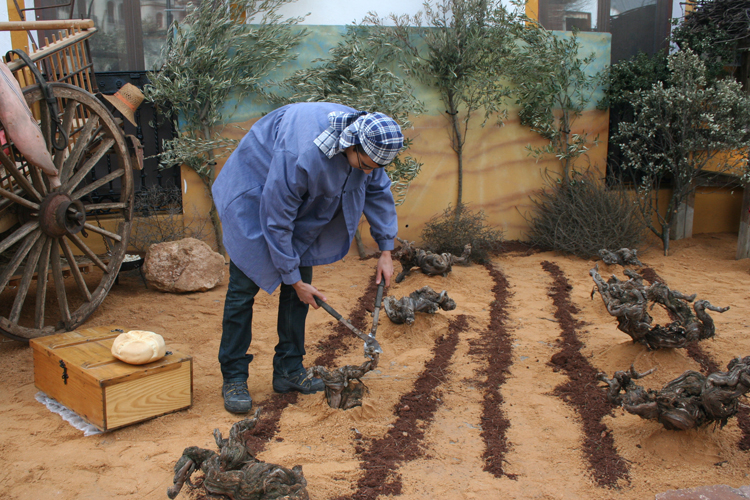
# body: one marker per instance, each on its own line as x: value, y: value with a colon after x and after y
x: 379, y: 135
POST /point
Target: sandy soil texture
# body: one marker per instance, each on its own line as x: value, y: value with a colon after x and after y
x: 465, y: 404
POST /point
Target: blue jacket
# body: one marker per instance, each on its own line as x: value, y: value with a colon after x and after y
x: 283, y: 204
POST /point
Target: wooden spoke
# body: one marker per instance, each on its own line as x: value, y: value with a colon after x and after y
x: 41, y: 285
x: 96, y: 185
x: 102, y: 231
x: 10, y: 167
x: 18, y: 235
x: 17, y: 199
x: 5, y: 202
x: 82, y: 141
x: 57, y: 276
x: 95, y: 138
x: 88, y: 252
x: 37, y: 179
x: 67, y: 120
x: 74, y: 269
x: 28, y: 274
x: 21, y: 253
x: 86, y: 168
x: 105, y: 206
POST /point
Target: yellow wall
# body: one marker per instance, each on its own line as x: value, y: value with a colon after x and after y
x: 499, y: 178
x: 717, y: 210
x: 499, y: 175
x: 18, y: 39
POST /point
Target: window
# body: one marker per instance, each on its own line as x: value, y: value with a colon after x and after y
x: 635, y: 25
x: 131, y: 32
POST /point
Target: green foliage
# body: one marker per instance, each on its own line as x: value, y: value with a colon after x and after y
x: 583, y: 216
x: 362, y: 74
x: 214, y: 56
x: 221, y: 51
x: 455, y: 228
x: 457, y: 47
x: 552, y: 89
x: 718, y: 31
x: 638, y: 73
x: 678, y: 131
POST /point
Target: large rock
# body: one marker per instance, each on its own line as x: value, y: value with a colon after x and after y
x: 187, y: 265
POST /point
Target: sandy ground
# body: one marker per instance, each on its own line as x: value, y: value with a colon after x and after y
x: 44, y: 457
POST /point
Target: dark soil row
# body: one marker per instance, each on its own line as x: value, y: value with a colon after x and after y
x: 582, y: 391
x: 342, y: 338
x: 709, y: 365
x: 415, y: 410
x: 332, y: 346
x: 494, y: 349
x: 268, y: 423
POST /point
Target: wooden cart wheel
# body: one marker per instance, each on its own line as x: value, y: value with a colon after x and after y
x: 57, y: 232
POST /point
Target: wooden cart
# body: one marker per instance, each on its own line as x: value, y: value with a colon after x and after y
x: 46, y: 236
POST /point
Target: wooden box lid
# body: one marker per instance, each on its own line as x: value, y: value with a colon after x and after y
x: 90, y: 350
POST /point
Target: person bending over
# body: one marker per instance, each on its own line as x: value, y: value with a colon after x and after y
x: 290, y: 197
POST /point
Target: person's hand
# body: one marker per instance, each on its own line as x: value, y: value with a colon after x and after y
x: 307, y: 293
x: 385, y: 268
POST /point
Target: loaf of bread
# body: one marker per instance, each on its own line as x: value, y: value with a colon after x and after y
x: 138, y: 347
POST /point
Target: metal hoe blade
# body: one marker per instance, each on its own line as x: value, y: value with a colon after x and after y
x: 371, y: 344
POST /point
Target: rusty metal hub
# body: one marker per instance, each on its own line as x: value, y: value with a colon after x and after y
x: 59, y: 215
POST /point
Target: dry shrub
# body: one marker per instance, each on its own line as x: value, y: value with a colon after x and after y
x: 455, y: 228
x: 157, y: 212
x: 584, y: 216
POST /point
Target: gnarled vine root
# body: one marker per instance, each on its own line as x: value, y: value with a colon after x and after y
x: 629, y: 301
x: 430, y: 263
x: 344, y: 387
x: 623, y: 257
x: 423, y: 300
x: 690, y: 401
x: 235, y: 473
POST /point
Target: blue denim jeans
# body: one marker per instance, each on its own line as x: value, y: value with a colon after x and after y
x: 237, y: 327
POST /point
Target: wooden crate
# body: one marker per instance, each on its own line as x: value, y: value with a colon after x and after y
x: 78, y: 370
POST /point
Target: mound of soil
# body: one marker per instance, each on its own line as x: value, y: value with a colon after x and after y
x: 491, y: 397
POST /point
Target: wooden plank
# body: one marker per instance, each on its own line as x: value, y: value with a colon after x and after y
x: 77, y: 392
x: 103, y: 390
x: 50, y: 49
x: 47, y: 25
x: 148, y: 397
x: 85, y: 266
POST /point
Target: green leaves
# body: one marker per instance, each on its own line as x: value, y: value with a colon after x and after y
x: 220, y: 53
x: 363, y: 72
x: 552, y: 89
x: 685, y: 128
x: 457, y: 47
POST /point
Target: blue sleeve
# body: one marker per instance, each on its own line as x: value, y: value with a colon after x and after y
x: 282, y: 195
x: 380, y: 210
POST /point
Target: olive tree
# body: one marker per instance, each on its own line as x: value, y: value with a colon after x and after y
x: 220, y: 52
x: 552, y: 89
x: 457, y: 47
x: 363, y: 74
x: 681, y: 131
